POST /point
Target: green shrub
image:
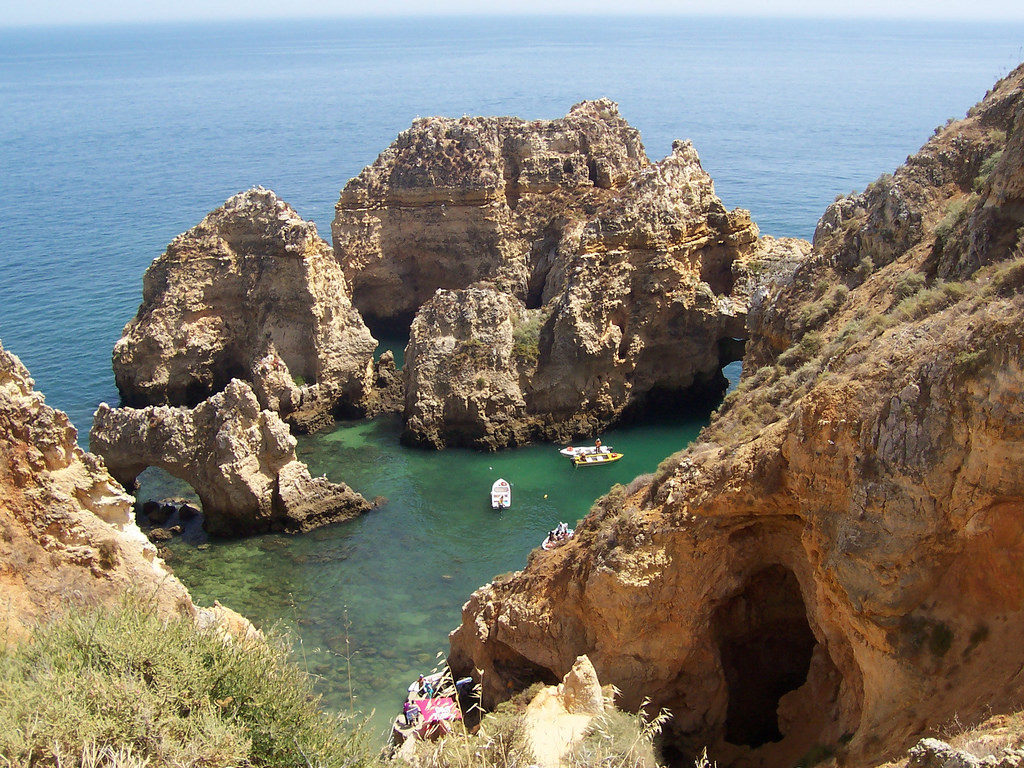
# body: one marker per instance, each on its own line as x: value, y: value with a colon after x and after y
x: 526, y: 337
x: 124, y: 681
x: 987, y: 166
x: 956, y: 212
x: 908, y: 285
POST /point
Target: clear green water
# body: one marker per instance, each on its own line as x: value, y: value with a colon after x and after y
x: 400, y: 574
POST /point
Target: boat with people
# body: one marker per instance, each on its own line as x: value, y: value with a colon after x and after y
x: 589, y: 459
x: 501, y: 494
x: 572, y: 451
x: 582, y: 450
x: 559, y: 535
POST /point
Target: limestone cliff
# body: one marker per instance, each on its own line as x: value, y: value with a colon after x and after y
x: 250, y: 292
x: 834, y: 567
x: 238, y: 458
x: 454, y: 201
x: 67, y: 532
x: 649, y: 294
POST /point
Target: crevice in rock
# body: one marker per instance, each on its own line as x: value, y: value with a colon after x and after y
x: 765, y: 644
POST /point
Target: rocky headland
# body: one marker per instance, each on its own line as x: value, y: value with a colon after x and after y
x: 239, y: 458
x: 833, y: 569
x: 251, y: 292
x: 454, y: 201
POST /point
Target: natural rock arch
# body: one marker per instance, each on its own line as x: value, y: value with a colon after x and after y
x: 238, y: 458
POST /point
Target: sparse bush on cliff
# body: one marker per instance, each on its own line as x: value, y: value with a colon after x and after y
x: 526, y: 337
x: 124, y: 687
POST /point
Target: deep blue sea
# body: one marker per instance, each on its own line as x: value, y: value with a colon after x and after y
x: 113, y: 140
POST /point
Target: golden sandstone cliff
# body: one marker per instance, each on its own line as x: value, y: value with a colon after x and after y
x: 251, y: 292
x: 68, y: 536
x: 550, y: 270
x: 834, y: 567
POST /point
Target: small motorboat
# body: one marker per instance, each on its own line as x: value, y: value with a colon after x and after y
x: 588, y: 459
x: 501, y: 494
x: 560, y: 535
x: 581, y: 450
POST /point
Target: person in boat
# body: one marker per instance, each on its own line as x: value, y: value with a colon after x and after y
x: 600, y: 448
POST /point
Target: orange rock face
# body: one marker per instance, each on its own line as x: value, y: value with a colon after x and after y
x: 835, y: 566
x: 67, y: 532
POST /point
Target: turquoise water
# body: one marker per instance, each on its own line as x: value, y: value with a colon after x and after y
x: 392, y: 583
x: 114, y: 140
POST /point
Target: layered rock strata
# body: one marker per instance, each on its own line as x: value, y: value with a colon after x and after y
x: 833, y: 568
x: 67, y: 532
x: 454, y: 201
x: 239, y: 459
x: 654, y: 292
x: 251, y: 292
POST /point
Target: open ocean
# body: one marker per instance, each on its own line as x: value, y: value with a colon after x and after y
x: 113, y: 140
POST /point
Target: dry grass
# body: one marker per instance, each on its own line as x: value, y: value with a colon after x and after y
x: 124, y: 688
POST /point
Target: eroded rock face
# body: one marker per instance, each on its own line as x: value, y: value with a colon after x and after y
x: 651, y: 293
x: 251, y: 292
x: 463, y: 380
x: 238, y: 458
x: 67, y: 532
x: 834, y: 565
x: 451, y: 202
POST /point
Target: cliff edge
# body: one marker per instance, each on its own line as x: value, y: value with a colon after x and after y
x: 832, y: 569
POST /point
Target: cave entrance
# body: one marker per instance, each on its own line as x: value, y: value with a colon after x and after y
x: 765, y: 644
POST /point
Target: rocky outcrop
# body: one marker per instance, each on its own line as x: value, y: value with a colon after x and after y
x: 238, y: 458
x: 67, y: 532
x: 833, y: 568
x: 454, y: 201
x: 654, y: 290
x: 464, y: 373
x: 251, y: 292
x: 558, y: 717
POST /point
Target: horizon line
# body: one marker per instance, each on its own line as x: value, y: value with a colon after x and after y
x: 599, y: 14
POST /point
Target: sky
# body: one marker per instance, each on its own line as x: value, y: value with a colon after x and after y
x: 60, y: 12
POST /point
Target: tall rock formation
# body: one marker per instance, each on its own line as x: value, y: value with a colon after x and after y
x: 454, y: 201
x: 834, y: 566
x: 645, y: 301
x: 67, y: 532
x: 238, y: 458
x: 251, y: 292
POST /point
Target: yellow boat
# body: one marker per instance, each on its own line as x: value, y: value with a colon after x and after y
x: 596, y: 458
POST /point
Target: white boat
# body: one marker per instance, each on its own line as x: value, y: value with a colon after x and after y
x: 581, y: 450
x: 560, y: 535
x: 501, y: 494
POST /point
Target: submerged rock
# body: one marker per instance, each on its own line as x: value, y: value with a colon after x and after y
x: 238, y: 458
x: 833, y: 567
x: 251, y: 292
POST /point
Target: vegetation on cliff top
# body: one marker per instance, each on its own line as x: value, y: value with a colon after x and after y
x: 125, y: 688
